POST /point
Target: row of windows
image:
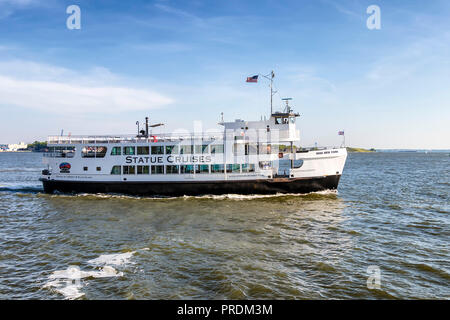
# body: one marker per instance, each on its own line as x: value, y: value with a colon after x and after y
x: 248, y: 149
x: 100, y: 151
x: 174, y: 149
x: 189, y: 169
x: 284, y: 120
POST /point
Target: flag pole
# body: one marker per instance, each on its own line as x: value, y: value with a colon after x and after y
x: 272, y: 75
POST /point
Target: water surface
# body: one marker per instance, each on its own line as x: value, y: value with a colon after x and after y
x: 391, y: 211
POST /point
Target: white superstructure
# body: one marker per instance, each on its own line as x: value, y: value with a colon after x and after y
x: 246, y: 157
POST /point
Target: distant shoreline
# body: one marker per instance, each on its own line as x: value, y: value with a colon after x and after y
x: 363, y: 150
x: 353, y: 150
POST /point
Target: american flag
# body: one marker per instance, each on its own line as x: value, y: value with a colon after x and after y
x: 341, y: 133
x: 252, y: 79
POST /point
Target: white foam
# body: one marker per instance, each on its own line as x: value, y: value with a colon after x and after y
x: 116, y: 259
x: 67, y: 289
x: 260, y: 196
x: 69, y: 274
x: 229, y: 196
x: 68, y: 282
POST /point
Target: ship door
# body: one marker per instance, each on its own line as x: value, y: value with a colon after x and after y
x: 284, y: 167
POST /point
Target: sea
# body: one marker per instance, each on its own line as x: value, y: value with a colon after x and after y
x: 384, y: 234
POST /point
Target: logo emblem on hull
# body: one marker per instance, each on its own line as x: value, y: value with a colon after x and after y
x: 64, y: 167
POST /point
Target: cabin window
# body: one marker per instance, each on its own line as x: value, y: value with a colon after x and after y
x: 85, y: 168
x: 201, y: 168
x: 143, y: 169
x: 143, y: 150
x: 129, y: 151
x: 238, y: 149
x: 171, y: 149
x: 128, y: 169
x: 172, y: 169
x: 251, y: 149
x: 265, y: 164
x: 292, y: 119
x: 233, y: 168
x: 264, y: 148
x: 277, y: 120
x: 116, y: 151
x: 199, y: 149
x: 115, y: 170
x: 248, y: 167
x: 217, y: 168
x: 99, y: 168
x: 186, y: 149
x: 157, y: 150
x: 189, y: 168
x: 274, y: 148
x: 217, y: 148
x: 157, y: 169
x: 60, y: 152
x: 298, y: 163
x: 93, y: 152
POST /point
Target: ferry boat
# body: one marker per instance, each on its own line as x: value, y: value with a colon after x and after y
x: 246, y: 157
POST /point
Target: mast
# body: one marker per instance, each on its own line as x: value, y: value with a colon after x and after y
x: 272, y: 75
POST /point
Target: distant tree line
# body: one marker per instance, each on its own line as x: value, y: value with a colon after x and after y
x: 38, y: 146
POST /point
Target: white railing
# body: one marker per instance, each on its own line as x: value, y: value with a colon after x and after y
x: 166, y: 137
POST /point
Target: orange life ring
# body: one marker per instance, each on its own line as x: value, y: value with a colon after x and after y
x: 154, y: 139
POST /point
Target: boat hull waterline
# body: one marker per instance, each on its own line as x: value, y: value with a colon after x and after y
x: 196, y: 188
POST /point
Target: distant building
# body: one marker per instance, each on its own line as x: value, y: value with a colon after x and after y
x: 3, y: 147
x: 17, y: 147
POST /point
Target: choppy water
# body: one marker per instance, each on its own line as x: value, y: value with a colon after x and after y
x: 391, y: 211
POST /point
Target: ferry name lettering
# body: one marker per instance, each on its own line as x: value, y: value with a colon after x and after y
x: 138, y: 160
x: 169, y: 159
x: 194, y: 159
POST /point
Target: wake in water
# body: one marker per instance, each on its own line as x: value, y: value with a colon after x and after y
x: 230, y: 196
x: 69, y: 282
x: 21, y: 188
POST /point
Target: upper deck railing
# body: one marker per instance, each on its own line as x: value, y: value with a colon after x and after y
x: 130, y: 138
x: 238, y: 135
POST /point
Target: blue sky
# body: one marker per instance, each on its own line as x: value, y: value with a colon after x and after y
x: 182, y: 61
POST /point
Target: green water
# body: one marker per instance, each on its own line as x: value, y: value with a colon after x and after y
x: 391, y: 211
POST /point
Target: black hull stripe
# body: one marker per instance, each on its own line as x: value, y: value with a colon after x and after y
x: 295, y: 185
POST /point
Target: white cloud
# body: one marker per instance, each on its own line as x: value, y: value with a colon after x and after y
x: 53, y: 89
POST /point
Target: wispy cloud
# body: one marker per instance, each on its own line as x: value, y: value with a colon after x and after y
x: 180, y: 13
x: 8, y: 7
x: 163, y: 47
x: 59, y: 90
x: 344, y: 9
